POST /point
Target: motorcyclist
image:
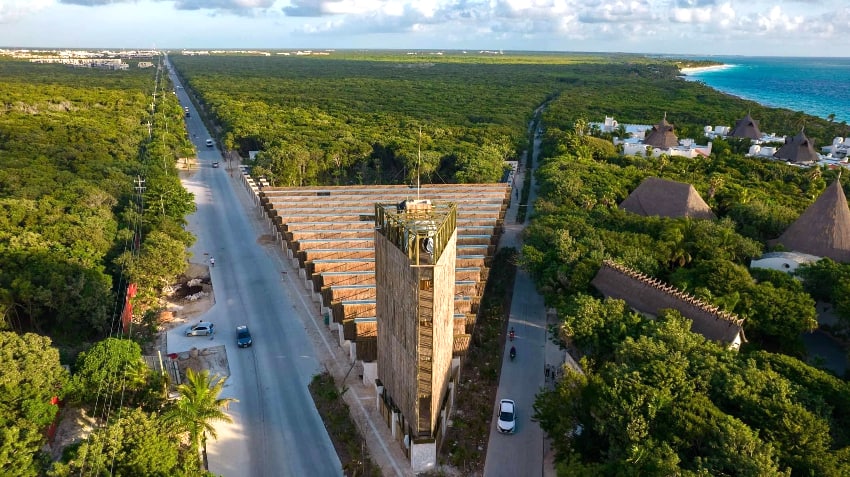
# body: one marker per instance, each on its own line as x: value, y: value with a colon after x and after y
x: 212, y: 262
x: 512, y: 333
x: 513, y: 352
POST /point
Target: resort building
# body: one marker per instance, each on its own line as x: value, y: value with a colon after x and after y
x: 661, y: 139
x: 798, y: 150
x: 662, y: 136
x: 611, y: 125
x: 746, y: 127
x: 666, y: 198
x: 823, y: 229
x: 838, y: 150
x: 783, y: 261
x: 650, y: 296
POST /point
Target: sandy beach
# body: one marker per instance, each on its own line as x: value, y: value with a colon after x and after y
x: 702, y: 69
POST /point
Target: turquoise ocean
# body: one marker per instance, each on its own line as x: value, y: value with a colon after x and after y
x: 816, y: 86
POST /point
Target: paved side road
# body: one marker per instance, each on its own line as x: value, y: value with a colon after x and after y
x: 524, y: 453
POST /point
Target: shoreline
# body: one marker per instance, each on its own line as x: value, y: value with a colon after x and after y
x: 704, y: 69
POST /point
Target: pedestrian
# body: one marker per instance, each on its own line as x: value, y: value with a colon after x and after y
x: 212, y: 262
x: 547, y: 372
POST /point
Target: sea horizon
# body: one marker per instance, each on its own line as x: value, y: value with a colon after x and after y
x: 818, y: 86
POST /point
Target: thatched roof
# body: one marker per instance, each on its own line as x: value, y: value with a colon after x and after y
x: 746, y: 127
x: 798, y: 149
x: 824, y: 228
x: 666, y: 198
x: 662, y: 135
x: 649, y: 295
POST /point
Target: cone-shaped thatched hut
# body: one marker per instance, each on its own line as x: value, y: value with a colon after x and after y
x: 746, y: 127
x: 799, y: 150
x: 662, y: 135
x: 824, y: 228
x: 666, y: 198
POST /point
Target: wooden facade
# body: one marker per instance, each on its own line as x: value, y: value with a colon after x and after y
x: 415, y: 280
x: 330, y: 232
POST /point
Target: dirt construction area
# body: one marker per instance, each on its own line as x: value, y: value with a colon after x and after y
x: 190, y: 297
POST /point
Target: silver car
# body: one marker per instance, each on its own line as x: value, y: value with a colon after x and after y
x: 203, y: 328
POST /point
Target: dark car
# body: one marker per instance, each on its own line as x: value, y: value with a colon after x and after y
x: 204, y: 328
x: 243, y: 337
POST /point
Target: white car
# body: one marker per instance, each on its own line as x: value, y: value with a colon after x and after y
x: 507, y: 416
x: 210, y: 143
x: 203, y: 328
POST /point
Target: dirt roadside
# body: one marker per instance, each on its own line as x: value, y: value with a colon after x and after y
x: 190, y: 298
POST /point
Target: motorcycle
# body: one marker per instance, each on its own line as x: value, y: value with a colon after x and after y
x: 513, y: 353
x: 511, y: 334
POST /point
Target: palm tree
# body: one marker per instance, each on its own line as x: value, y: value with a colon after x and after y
x: 714, y: 184
x: 677, y: 238
x: 621, y: 131
x: 199, y: 407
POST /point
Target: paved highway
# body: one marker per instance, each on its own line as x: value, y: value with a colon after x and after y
x: 276, y: 430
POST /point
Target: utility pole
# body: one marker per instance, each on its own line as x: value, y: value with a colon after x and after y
x: 140, y: 190
x: 164, y: 165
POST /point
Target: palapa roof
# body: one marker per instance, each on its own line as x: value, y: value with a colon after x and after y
x: 824, y: 228
x: 666, y: 198
x: 662, y: 135
x: 798, y: 149
x: 746, y: 127
x: 650, y: 295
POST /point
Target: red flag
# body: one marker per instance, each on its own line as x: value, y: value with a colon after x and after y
x: 127, y: 314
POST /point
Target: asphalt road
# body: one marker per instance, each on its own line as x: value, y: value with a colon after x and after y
x: 521, y: 453
x: 276, y: 430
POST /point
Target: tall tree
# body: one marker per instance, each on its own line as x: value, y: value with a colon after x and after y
x: 30, y: 376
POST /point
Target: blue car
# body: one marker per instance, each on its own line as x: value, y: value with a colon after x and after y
x: 243, y: 337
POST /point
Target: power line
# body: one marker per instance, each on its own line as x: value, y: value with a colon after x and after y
x: 117, y: 328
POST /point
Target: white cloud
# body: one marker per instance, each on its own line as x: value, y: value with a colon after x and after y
x: 600, y: 25
x: 12, y: 10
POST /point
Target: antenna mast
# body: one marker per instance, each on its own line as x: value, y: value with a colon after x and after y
x: 418, y: 161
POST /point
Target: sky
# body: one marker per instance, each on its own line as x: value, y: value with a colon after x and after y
x: 686, y: 27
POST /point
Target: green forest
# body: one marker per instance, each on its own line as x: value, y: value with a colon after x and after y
x: 653, y: 398
x: 82, y: 151
x: 72, y: 144
x: 356, y: 118
x: 78, y: 225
